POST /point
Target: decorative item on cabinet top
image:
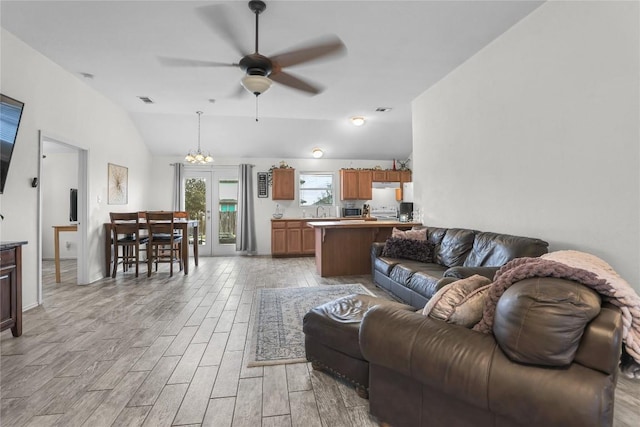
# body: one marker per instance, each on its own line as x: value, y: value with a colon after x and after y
x: 281, y: 165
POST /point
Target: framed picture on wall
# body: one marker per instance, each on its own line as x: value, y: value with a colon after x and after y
x: 118, y: 185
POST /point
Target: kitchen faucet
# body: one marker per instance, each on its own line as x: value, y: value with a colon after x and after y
x: 324, y: 214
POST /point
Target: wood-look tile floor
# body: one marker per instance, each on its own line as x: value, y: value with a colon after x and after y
x: 166, y: 351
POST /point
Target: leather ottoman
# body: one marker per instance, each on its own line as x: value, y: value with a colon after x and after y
x: 331, y: 337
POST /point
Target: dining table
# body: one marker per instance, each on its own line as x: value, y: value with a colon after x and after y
x: 183, y: 225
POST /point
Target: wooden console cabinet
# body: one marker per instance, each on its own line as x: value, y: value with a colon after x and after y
x: 11, y: 287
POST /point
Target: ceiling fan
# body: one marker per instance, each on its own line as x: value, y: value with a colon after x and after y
x: 259, y: 69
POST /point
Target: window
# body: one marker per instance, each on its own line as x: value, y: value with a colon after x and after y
x: 316, y: 188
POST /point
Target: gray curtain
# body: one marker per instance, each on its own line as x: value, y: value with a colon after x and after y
x: 246, y: 229
x: 178, y: 174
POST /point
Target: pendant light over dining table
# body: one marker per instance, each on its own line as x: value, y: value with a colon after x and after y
x: 198, y: 157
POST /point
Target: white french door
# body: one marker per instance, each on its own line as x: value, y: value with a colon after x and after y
x: 211, y: 197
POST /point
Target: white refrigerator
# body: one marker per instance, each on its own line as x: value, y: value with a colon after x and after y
x: 407, y: 192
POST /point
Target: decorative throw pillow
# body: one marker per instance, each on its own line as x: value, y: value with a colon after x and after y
x: 417, y: 250
x: 409, y: 234
x: 460, y: 302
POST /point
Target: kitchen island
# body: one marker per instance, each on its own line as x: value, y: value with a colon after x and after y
x: 343, y: 247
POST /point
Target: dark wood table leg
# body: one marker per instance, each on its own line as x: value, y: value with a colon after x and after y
x: 185, y: 248
x: 107, y: 250
x: 195, y: 243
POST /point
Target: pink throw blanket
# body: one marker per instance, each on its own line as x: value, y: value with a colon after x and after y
x: 581, y: 267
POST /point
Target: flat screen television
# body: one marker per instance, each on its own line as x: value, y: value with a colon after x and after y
x: 10, y: 114
x: 73, y: 205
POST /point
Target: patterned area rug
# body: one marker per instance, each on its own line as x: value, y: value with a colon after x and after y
x: 277, y: 336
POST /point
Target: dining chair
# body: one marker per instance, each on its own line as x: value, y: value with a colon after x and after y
x: 164, y: 245
x: 125, y: 229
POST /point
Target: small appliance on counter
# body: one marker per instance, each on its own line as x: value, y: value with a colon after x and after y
x: 405, y: 211
x: 366, y: 212
x: 346, y: 212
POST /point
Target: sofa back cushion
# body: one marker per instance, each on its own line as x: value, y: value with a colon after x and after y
x: 540, y: 321
x: 454, y: 246
x: 494, y: 250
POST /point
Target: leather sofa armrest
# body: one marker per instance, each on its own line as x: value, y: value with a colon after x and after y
x: 450, y: 358
x: 601, y: 344
x: 376, y: 249
x: 464, y: 272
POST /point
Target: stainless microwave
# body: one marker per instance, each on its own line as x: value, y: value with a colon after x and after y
x: 351, y: 212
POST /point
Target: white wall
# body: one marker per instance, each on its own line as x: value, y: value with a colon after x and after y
x: 64, y: 107
x: 538, y: 134
x: 162, y: 176
x: 59, y: 175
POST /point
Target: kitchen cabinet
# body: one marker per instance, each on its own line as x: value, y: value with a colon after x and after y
x: 390, y: 176
x: 11, y: 287
x: 308, y: 241
x: 292, y: 237
x: 405, y: 176
x: 278, y: 238
x: 283, y: 182
x: 355, y: 184
x: 287, y: 238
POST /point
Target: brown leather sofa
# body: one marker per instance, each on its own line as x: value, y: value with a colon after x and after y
x: 552, y: 361
x: 459, y: 253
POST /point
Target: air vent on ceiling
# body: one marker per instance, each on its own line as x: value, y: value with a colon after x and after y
x: 146, y: 99
x: 383, y: 109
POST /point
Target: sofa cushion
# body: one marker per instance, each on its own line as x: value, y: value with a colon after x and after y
x: 454, y: 247
x: 384, y: 265
x: 460, y: 302
x: 403, y: 271
x: 417, y: 234
x: 494, y: 250
x: 425, y: 281
x: 541, y: 320
x: 417, y: 250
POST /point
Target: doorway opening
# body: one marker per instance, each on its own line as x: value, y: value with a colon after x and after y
x: 62, y: 195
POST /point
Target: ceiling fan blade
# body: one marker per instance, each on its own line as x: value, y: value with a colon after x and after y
x: 239, y: 92
x: 294, y: 82
x: 182, y: 62
x: 321, y: 48
x: 216, y: 18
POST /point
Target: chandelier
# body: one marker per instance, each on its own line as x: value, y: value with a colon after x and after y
x: 198, y: 157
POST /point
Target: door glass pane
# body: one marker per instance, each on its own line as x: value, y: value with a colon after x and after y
x: 228, y: 202
x: 195, y: 202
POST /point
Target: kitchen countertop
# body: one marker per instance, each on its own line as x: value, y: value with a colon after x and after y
x: 328, y: 218
x: 360, y: 224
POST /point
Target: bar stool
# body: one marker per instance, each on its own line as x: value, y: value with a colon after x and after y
x: 164, y: 245
x: 125, y: 227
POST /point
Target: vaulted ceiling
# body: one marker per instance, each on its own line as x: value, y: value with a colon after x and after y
x: 395, y: 50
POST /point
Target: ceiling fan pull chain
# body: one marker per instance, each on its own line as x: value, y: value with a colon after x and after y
x: 256, y: 108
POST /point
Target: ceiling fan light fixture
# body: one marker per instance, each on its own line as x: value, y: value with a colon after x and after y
x: 198, y: 157
x: 256, y: 84
x: 357, y: 120
x: 317, y: 153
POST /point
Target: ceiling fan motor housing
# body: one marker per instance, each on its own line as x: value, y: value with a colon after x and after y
x: 256, y: 65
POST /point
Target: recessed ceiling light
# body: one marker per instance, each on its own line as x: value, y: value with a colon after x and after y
x: 383, y: 109
x: 317, y: 153
x: 357, y: 120
x: 146, y: 99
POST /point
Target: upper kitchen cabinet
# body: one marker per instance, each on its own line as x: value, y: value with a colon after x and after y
x: 386, y: 176
x: 283, y: 181
x: 355, y: 184
x: 405, y: 176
